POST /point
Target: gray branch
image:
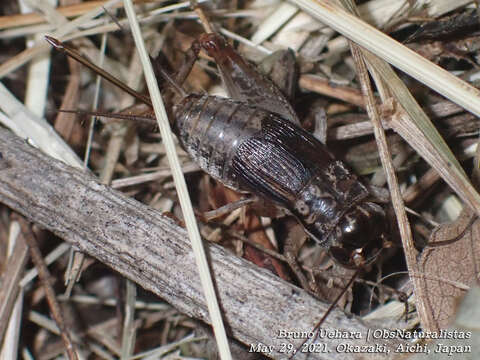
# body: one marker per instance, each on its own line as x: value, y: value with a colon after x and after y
x: 150, y: 249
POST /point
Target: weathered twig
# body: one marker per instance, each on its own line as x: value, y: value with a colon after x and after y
x: 150, y: 249
x: 45, y: 277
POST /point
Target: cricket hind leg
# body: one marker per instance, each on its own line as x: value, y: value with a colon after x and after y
x: 242, y: 80
x: 292, y: 244
x: 191, y: 56
x: 175, y: 82
x: 281, y: 68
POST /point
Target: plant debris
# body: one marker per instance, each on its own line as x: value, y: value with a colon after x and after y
x: 108, y: 317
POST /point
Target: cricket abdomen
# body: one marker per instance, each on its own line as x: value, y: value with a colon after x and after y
x: 210, y: 129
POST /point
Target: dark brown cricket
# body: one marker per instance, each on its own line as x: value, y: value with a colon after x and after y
x: 253, y: 150
x: 259, y: 148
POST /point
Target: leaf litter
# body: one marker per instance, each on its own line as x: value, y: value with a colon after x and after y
x: 448, y: 265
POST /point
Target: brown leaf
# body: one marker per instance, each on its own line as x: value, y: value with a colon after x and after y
x: 450, y: 264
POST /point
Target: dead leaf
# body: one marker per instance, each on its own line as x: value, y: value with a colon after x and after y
x: 450, y: 265
x: 464, y: 344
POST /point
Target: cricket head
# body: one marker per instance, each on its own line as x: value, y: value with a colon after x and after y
x: 361, y: 235
x: 219, y: 49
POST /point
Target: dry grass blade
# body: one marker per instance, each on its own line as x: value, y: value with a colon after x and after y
x: 41, y: 46
x: 98, y: 26
x: 54, y: 255
x: 190, y: 221
x: 157, y: 175
x: 396, y: 196
x: 378, y: 69
x: 275, y: 21
x: 35, y: 18
x: 37, y: 81
x: 129, y: 328
x: 380, y: 12
x: 415, y: 127
x: 32, y: 127
x: 10, y: 303
x: 27, y: 125
x: 158, y: 352
x: 323, y: 86
x: 436, y: 152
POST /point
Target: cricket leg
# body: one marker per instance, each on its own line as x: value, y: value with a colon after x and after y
x: 291, y: 247
x: 242, y: 81
x: 228, y: 208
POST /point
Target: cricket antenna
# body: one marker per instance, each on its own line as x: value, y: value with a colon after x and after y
x: 70, y: 51
x: 145, y: 119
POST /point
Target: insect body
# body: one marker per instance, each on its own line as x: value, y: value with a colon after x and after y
x: 254, y: 150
